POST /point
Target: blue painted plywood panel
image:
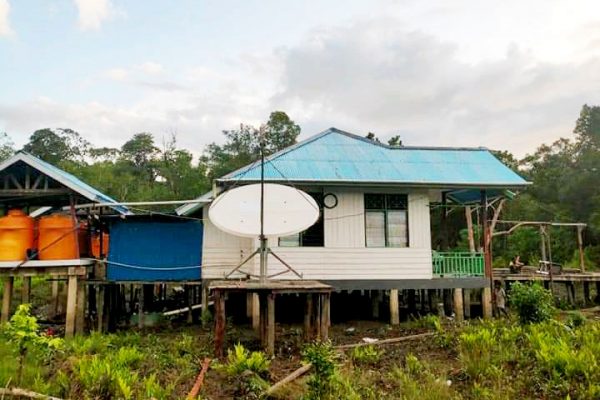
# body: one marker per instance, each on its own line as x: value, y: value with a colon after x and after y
x: 155, y: 250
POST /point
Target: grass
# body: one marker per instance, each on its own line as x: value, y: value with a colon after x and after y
x: 499, y: 359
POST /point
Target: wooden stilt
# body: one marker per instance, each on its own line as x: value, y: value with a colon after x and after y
x: 394, y: 307
x: 308, y: 317
x: 597, y: 298
x: 412, y: 303
x: 190, y: 302
x: 570, y: 292
x: 7, y: 298
x: 375, y: 299
x: 255, y: 312
x: 26, y: 290
x: 586, y: 293
x: 100, y: 306
x: 249, y: 298
x: 467, y: 302
x: 205, y: 311
x: 325, y: 313
x: 459, y: 313
x: 220, y: 321
x: 55, y: 299
x: 263, y: 309
x: 486, y: 302
x: 270, y: 324
x: 80, y: 308
x: 72, y: 289
x: 141, y: 308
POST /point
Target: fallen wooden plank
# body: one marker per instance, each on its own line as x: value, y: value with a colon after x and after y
x: 294, y: 375
x: 16, y: 392
x: 386, y: 341
x: 184, y: 309
x: 305, y: 368
x: 199, y: 380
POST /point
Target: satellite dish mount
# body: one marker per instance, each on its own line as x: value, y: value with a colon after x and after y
x: 264, y: 250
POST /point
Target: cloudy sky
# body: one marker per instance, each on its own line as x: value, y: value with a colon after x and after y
x: 505, y: 75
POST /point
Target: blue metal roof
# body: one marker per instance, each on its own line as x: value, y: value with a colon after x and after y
x: 63, y: 178
x: 335, y: 156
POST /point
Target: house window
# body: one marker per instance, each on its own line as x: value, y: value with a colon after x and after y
x: 386, y: 220
x: 313, y: 236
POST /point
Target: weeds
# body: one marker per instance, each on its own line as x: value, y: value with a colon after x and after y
x: 532, y: 302
x: 365, y: 355
x: 322, y: 356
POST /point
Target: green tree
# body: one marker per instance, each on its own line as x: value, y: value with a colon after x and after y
x: 242, y: 145
x: 6, y: 146
x: 57, y: 146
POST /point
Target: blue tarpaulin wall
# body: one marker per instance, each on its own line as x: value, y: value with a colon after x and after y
x: 149, y: 250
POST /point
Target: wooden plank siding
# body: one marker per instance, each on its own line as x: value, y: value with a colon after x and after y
x: 344, y: 255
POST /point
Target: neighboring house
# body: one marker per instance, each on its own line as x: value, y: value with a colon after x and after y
x: 375, y: 226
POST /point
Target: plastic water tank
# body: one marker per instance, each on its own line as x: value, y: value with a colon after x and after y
x: 57, y: 238
x: 16, y: 235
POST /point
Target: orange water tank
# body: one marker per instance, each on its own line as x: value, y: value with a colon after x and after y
x: 16, y: 235
x: 96, y: 244
x: 57, y: 238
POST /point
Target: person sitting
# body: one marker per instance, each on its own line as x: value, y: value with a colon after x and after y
x: 515, y: 265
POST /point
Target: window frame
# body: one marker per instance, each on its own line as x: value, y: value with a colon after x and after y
x: 385, y: 210
x: 318, y: 197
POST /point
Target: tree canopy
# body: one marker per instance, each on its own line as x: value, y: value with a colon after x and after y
x: 565, y: 175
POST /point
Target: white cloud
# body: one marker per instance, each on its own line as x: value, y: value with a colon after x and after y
x: 117, y: 74
x: 151, y: 68
x: 5, y: 28
x: 392, y: 81
x: 93, y: 13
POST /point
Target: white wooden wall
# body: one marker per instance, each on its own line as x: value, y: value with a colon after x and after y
x: 344, y: 255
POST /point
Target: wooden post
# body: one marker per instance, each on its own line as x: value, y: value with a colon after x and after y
x: 486, y: 298
x: 394, y: 307
x: 72, y: 289
x: 249, y: 299
x: 470, y: 234
x: 220, y: 322
x: 325, y: 313
x: 375, y: 303
x: 467, y: 302
x: 190, y: 302
x: 580, y: 246
x: 26, y: 290
x: 55, y: 298
x: 80, y: 308
x: 270, y: 324
x: 205, y: 312
x: 100, y: 306
x: 586, y: 293
x: 7, y: 298
x: 486, y: 302
x: 308, y: 317
x: 255, y: 312
x: 459, y: 313
x: 570, y: 292
x: 141, y: 307
x: 264, y: 311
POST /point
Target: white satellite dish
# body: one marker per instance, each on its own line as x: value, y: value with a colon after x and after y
x: 286, y: 211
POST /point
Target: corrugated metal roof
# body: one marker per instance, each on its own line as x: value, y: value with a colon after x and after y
x: 64, y: 178
x: 335, y: 156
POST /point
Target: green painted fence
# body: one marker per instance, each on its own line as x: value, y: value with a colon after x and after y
x: 452, y: 264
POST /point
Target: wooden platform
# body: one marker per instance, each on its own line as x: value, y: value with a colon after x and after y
x: 261, y: 304
x: 562, y: 277
x: 74, y: 270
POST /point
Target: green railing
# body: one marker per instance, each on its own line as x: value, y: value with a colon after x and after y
x: 451, y: 264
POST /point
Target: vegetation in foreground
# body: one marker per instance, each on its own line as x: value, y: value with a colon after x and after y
x: 534, y: 355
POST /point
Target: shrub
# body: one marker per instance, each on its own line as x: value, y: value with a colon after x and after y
x: 576, y: 319
x: 322, y: 356
x: 23, y: 332
x: 367, y: 355
x: 532, y: 302
x: 240, y: 360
